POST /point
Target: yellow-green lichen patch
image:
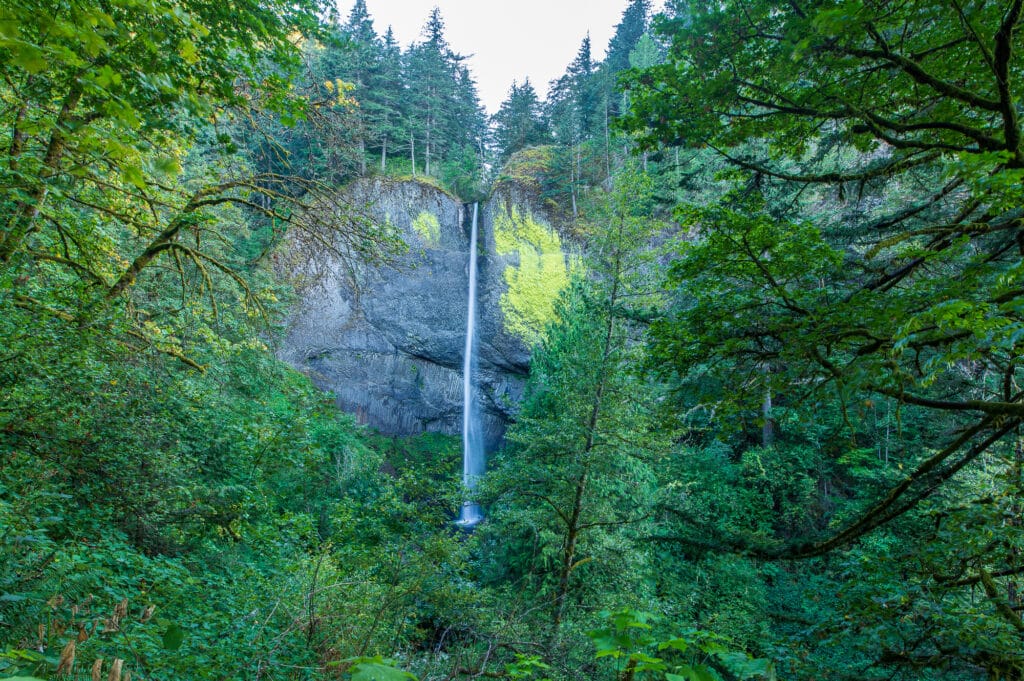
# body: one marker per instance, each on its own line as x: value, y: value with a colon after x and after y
x: 534, y: 285
x: 428, y: 227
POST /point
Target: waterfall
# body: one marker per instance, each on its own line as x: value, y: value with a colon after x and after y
x: 473, y: 463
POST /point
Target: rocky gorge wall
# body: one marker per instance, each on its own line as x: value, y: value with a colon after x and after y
x: 388, y: 340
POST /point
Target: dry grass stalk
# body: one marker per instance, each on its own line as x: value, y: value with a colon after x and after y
x: 66, y: 663
x: 111, y: 625
x: 97, y: 670
x: 83, y: 635
x: 114, y: 623
x: 115, y: 670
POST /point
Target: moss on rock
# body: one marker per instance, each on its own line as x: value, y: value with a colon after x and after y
x: 536, y: 282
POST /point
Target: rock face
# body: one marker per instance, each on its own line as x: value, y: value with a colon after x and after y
x: 388, y: 341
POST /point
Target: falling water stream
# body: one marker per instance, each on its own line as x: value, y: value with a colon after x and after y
x: 473, y: 463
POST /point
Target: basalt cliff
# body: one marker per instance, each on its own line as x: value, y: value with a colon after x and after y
x: 388, y: 340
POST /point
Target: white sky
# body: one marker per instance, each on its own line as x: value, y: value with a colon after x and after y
x: 507, y: 40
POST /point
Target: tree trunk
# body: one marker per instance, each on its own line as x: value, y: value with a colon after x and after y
x: 571, y: 540
x: 427, y: 151
x: 575, y: 526
x: 572, y: 182
x: 608, y: 145
x: 18, y: 138
x: 768, y: 428
x: 23, y: 219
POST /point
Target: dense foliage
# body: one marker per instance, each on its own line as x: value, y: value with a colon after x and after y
x: 863, y: 257
x: 772, y: 425
x: 413, y: 112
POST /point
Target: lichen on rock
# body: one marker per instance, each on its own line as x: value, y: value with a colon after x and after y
x: 534, y: 284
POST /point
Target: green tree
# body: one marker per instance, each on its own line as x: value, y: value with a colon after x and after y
x: 390, y: 94
x: 364, y: 63
x: 630, y: 29
x: 574, y: 101
x: 100, y: 96
x: 119, y: 142
x: 917, y: 288
x: 577, y: 483
x: 629, y: 35
x: 867, y: 254
x: 576, y: 112
x: 430, y: 69
x: 519, y: 122
x: 444, y: 114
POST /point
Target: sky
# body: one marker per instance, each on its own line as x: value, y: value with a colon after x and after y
x: 506, y: 40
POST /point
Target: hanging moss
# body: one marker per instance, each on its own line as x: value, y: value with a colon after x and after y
x: 428, y: 227
x: 535, y: 284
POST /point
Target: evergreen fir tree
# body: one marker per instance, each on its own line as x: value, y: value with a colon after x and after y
x: 363, y: 63
x: 631, y: 28
x: 360, y: 25
x: 628, y: 34
x: 444, y: 112
x: 583, y: 418
x: 390, y: 93
x: 519, y: 122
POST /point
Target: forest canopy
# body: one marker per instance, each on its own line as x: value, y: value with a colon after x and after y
x: 771, y: 427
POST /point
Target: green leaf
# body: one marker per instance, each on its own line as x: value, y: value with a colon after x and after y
x: 27, y: 56
x: 713, y: 647
x: 377, y: 669
x: 695, y: 673
x: 612, y: 652
x: 9, y: 26
x: 188, y: 52
x: 680, y: 644
x: 167, y: 165
x: 743, y: 666
x: 134, y: 175
x: 173, y: 637
x: 107, y: 77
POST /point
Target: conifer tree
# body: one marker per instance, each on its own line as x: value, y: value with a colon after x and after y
x: 519, y: 122
x: 630, y: 29
x: 582, y: 422
x: 444, y: 112
x: 574, y: 112
x: 628, y: 34
x: 430, y: 77
x: 573, y: 102
x: 363, y: 66
x: 390, y: 98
